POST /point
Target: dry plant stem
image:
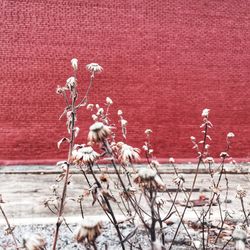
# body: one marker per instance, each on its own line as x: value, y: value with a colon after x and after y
x: 203, y: 232
x: 161, y: 226
x: 216, y: 186
x: 110, y: 209
x: 85, y: 176
x: 9, y: 227
x: 183, y: 224
x: 192, y: 188
x: 227, y: 190
x: 81, y: 208
x: 222, y: 224
x: 184, y: 192
x: 61, y: 207
x: 85, y: 99
x: 246, y: 218
x: 226, y: 243
x: 150, y: 196
x: 244, y: 211
x: 124, y: 189
x: 186, y: 206
x: 94, y: 245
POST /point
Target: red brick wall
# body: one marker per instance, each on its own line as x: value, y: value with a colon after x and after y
x: 164, y: 61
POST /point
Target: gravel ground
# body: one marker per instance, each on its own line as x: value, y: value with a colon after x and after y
x: 107, y: 240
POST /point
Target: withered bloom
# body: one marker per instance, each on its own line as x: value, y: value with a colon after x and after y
x: 239, y: 236
x: 98, y: 132
x: 159, y: 201
x: 179, y: 180
x: 88, y: 231
x: 127, y: 153
x: 84, y: 154
x: 128, y: 193
x: 74, y: 64
x: 71, y: 83
x: 104, y: 178
x: 241, y: 192
x: 148, y: 178
x: 34, y: 242
x: 94, y: 68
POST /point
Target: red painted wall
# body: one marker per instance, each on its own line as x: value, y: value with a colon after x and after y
x: 164, y: 61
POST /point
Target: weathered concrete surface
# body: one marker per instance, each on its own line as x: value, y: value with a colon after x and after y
x: 24, y: 194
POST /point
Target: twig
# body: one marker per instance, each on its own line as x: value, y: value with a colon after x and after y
x: 9, y: 227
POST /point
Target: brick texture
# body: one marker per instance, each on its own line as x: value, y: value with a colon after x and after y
x: 164, y: 61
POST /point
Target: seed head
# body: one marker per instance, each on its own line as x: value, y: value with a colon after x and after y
x: 88, y: 231
x: 71, y: 83
x: 230, y: 135
x: 209, y: 160
x: 74, y: 64
x: 148, y: 178
x: 98, y: 132
x: 84, y: 154
x: 205, y: 113
x: 34, y: 242
x: 224, y: 154
x: 148, y: 131
x: 127, y: 153
x: 109, y: 100
x: 171, y: 160
x: 241, y: 192
x: 94, y: 68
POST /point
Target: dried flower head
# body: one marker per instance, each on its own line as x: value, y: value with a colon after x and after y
x: 90, y: 106
x: 155, y: 164
x: 171, y: 160
x: 148, y: 178
x: 239, y: 236
x: 127, y: 153
x: 62, y: 164
x: 215, y: 189
x: 159, y: 201
x: 124, y: 122
x: 128, y: 193
x: 100, y: 111
x: 148, y: 131
x: 150, y: 151
x: 205, y: 112
x: 54, y: 188
x: 94, y: 68
x: 104, y: 178
x: 60, y: 90
x: 74, y: 64
x: 179, y: 180
x: 98, y: 132
x: 224, y: 154
x: 209, y: 160
x: 230, y: 135
x: 88, y: 231
x: 119, y: 112
x: 84, y: 154
x: 109, y: 100
x: 241, y: 192
x: 94, y: 117
x: 192, y: 138
x: 71, y: 83
x: 34, y: 242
